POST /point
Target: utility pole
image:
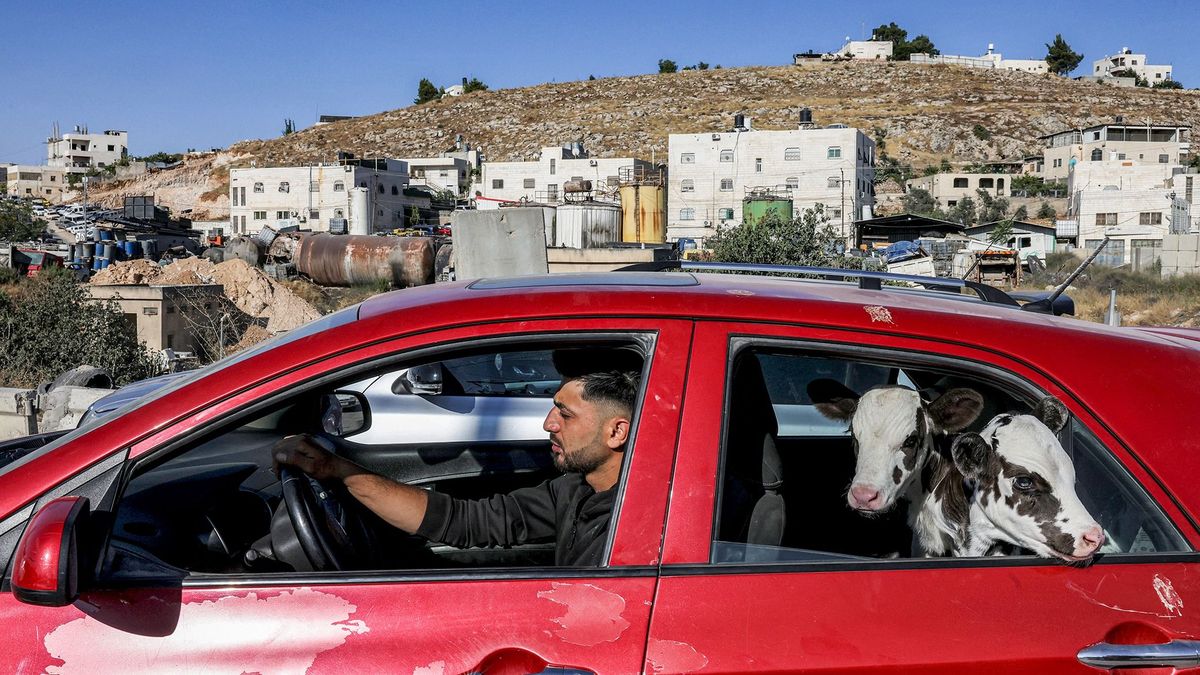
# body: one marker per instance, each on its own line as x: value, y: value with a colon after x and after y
x: 85, y: 182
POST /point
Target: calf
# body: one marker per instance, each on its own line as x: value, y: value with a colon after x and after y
x: 893, y: 431
x: 1023, y: 488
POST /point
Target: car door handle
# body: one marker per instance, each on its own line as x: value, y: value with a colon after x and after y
x: 1176, y: 654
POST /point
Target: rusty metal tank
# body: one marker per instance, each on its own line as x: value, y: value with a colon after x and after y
x: 244, y: 248
x: 643, y: 214
x: 346, y: 259
x: 587, y: 225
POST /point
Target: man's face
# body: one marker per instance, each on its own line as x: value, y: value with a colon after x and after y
x: 578, y: 430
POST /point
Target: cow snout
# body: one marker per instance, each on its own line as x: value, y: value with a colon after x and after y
x: 1089, y: 542
x: 865, y: 497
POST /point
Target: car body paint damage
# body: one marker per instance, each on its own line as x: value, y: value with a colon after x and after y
x: 1167, y: 595
x: 879, y: 314
x: 669, y: 656
x: 435, y: 668
x: 1164, y: 592
x: 593, y: 615
x: 278, y: 634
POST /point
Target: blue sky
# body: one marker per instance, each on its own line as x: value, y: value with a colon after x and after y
x: 181, y: 75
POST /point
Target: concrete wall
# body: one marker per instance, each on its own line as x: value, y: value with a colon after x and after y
x: 699, y: 163
x: 499, y: 242
x: 567, y: 260
x: 24, y: 412
x: 1180, y: 254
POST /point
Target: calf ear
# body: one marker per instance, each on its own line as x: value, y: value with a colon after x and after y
x: 1052, y: 413
x: 971, y: 455
x: 956, y: 409
x: 833, y: 399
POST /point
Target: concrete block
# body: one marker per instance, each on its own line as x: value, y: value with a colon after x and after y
x: 1169, y: 258
x: 1186, y: 261
x: 1189, y: 242
x: 1170, y: 242
x: 499, y: 243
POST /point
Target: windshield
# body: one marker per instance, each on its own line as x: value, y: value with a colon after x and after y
x: 312, y: 328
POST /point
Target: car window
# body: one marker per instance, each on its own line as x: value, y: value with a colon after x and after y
x: 788, y: 472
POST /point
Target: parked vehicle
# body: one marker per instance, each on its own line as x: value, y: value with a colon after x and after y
x: 158, y: 538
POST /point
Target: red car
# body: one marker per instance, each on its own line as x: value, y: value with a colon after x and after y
x: 158, y: 539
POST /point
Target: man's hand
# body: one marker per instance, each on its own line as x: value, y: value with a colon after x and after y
x: 305, y: 453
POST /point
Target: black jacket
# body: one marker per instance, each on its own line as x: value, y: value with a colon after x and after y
x: 564, y: 509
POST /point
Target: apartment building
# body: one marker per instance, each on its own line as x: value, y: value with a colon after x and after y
x: 949, y: 188
x: 1127, y: 60
x: 710, y: 174
x: 440, y: 173
x: 24, y: 180
x: 360, y: 196
x: 873, y: 50
x: 991, y: 59
x: 542, y: 180
x: 79, y: 151
x: 1143, y: 143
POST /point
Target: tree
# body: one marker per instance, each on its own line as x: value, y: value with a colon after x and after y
x: 1060, y: 58
x: 981, y: 132
x: 414, y: 216
x: 1047, y: 211
x: 1167, y: 84
x: 474, y: 84
x: 49, y: 324
x: 921, y: 45
x: 963, y: 212
x: 667, y: 66
x: 591, y: 77
x: 17, y: 222
x: 990, y: 208
x: 902, y: 47
x: 921, y: 202
x: 807, y: 240
x: 1138, y: 80
x: 289, y: 127
x: 426, y: 92
x: 1000, y: 233
x: 1021, y: 213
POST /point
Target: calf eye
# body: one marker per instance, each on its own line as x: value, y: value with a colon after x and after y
x: 1023, y: 483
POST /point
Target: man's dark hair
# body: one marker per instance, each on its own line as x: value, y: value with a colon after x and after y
x: 618, y: 387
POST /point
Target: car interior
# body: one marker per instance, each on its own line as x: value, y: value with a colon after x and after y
x: 786, y: 469
x: 217, y: 506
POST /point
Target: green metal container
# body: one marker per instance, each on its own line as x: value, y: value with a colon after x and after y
x: 755, y: 209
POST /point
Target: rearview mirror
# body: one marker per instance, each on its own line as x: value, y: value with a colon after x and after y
x: 46, y: 563
x: 425, y: 379
x: 344, y: 413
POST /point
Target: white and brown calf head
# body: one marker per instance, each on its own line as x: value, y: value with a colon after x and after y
x: 1025, y: 486
x: 892, y: 430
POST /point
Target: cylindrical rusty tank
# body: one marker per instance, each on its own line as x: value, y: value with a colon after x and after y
x: 244, y: 248
x: 577, y: 186
x: 346, y: 259
x: 643, y: 214
x: 587, y: 225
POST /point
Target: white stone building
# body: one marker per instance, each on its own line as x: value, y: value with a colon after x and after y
x: 992, y: 59
x: 1127, y: 60
x: 871, y: 50
x: 710, y: 174
x: 542, y: 180
x: 442, y: 173
x: 47, y: 182
x: 363, y: 195
x: 949, y: 188
x: 79, y: 151
x: 1143, y: 143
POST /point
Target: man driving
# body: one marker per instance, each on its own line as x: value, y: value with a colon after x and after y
x: 588, y: 425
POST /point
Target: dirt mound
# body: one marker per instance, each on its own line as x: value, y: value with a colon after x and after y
x: 245, y: 286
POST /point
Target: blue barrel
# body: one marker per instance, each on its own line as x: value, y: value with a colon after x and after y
x: 105, y: 262
x: 110, y: 251
x: 96, y: 263
x: 119, y: 235
x: 105, y: 235
x: 134, y: 249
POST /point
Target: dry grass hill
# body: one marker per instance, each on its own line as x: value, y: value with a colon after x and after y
x: 928, y: 112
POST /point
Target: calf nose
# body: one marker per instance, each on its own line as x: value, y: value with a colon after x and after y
x: 865, y: 497
x: 1090, y: 541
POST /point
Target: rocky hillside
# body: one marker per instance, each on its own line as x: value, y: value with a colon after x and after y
x: 928, y: 113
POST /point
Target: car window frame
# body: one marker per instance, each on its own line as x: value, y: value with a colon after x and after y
x: 150, y: 452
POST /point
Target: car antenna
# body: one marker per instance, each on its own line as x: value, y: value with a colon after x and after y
x: 1046, y: 303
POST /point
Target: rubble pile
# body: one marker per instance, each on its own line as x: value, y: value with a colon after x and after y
x: 245, y: 286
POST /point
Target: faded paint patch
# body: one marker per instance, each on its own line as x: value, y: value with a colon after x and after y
x: 669, y: 656
x: 435, y: 668
x: 1167, y: 595
x: 593, y: 614
x: 277, y: 635
x: 879, y: 314
x: 739, y: 291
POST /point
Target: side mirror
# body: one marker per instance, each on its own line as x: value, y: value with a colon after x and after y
x: 425, y: 380
x: 344, y: 413
x: 46, y: 563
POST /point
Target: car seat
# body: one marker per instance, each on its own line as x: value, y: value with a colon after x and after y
x: 752, y: 506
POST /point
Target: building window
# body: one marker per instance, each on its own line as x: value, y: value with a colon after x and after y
x: 1146, y: 243
x: 339, y: 186
x: 552, y: 192
x: 687, y: 158
x: 395, y: 190
x: 833, y: 152
x: 497, y: 183
x: 530, y: 183
x: 53, y: 178
x: 726, y: 185
x: 339, y: 214
x: 1106, y: 219
x: 362, y: 184
x: 726, y: 214
x: 112, y: 148
x: 961, y: 182
x: 1121, y: 155
x: 285, y: 187
x: 835, y: 214
x: 687, y: 185
x: 380, y: 188
x: 791, y: 154
x: 687, y: 214
x: 951, y: 202
x: 613, y: 181
x: 314, y: 187
x: 999, y: 183
x: 726, y: 155
x: 258, y: 188
x: 313, y: 214
x: 1150, y: 218
x: 282, y: 215
x: 1164, y: 159
x: 792, y: 182
x: 832, y: 182
x: 1097, y: 155
x: 260, y: 215
x: 987, y: 183
x: 553, y: 165
x: 758, y: 165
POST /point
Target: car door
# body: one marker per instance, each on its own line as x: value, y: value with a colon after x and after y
x: 835, y: 594
x: 495, y: 620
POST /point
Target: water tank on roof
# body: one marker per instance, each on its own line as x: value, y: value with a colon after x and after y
x: 587, y: 225
x: 805, y: 116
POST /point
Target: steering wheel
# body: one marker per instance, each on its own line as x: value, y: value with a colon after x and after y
x: 332, y: 536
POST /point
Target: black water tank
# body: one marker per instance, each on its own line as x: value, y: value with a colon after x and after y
x: 805, y: 116
x: 739, y: 121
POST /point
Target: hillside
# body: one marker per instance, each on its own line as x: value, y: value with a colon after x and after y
x: 928, y: 113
